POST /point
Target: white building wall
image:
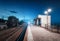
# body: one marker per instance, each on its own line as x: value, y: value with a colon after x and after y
x: 44, y: 20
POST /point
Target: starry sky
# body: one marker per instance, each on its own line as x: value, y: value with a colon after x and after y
x: 30, y: 9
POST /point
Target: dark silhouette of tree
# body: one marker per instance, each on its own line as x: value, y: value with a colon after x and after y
x: 12, y: 21
x: 21, y: 22
x: 2, y: 20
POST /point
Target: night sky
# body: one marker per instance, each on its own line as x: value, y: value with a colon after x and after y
x: 30, y: 9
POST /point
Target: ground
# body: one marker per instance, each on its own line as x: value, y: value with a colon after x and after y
x: 37, y: 33
x: 10, y: 34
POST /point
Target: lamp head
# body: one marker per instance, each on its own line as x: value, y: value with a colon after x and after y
x: 46, y: 12
x: 49, y: 10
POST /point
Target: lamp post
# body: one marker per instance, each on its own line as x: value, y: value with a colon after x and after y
x: 47, y: 13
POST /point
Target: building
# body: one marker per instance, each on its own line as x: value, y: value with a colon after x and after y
x: 43, y: 20
x: 37, y: 21
x: 3, y: 24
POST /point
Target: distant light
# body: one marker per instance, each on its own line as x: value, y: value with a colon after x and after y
x: 28, y: 22
x: 46, y: 12
x: 49, y: 10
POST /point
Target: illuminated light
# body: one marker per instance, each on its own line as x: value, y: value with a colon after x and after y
x: 46, y: 12
x: 28, y: 22
x: 49, y: 10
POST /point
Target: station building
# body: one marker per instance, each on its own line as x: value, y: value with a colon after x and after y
x: 43, y: 20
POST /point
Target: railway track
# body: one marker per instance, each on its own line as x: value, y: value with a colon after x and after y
x: 10, y: 34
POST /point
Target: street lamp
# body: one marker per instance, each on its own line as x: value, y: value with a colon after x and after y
x: 47, y: 13
x: 49, y: 10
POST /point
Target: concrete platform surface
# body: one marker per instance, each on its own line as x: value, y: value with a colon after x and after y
x: 36, y: 33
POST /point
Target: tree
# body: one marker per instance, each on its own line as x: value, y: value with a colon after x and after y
x: 21, y: 22
x: 12, y: 21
